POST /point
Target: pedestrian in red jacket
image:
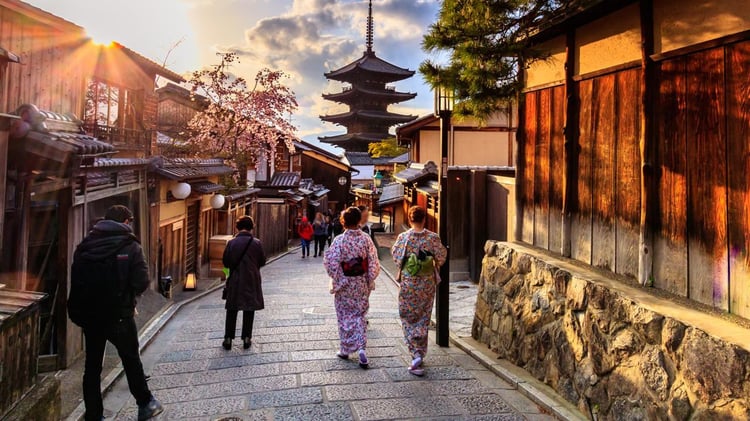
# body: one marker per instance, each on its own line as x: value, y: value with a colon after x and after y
x: 305, y: 231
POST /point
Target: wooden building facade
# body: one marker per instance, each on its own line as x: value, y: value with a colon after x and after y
x: 634, y: 141
x: 80, y: 148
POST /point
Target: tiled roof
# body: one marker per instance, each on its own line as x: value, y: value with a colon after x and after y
x: 431, y: 188
x: 150, y: 64
x: 205, y: 187
x: 416, y: 171
x: 186, y: 168
x: 358, y: 158
x: 285, y: 179
x: 102, y: 162
x: 58, y: 134
x: 392, y: 193
x: 401, y: 159
x: 242, y: 194
x: 370, y: 63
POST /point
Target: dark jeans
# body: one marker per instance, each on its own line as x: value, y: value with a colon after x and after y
x: 247, y: 324
x: 320, y: 244
x: 124, y: 336
x: 305, y: 247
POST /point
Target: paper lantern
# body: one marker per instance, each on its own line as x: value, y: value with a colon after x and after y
x: 217, y: 201
x: 190, y: 283
x: 181, y: 190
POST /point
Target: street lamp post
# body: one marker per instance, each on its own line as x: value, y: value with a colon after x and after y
x: 444, y: 99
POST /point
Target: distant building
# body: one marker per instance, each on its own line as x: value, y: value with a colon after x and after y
x: 368, y: 97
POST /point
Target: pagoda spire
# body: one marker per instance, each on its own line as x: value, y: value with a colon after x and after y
x: 370, y: 29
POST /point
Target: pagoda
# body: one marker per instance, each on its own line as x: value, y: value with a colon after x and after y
x: 368, y: 97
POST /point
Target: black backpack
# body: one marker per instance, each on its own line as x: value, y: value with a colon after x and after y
x: 97, y: 289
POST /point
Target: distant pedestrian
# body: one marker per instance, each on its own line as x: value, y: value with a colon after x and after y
x: 329, y: 230
x: 419, y: 253
x: 338, y: 229
x: 109, y: 270
x: 306, y: 233
x: 320, y: 232
x: 364, y: 222
x: 352, y: 263
x: 244, y: 257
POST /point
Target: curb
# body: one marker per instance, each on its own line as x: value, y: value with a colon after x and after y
x: 149, y: 334
x: 520, y: 379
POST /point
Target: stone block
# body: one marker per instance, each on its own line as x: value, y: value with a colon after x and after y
x: 647, y: 323
x: 655, y: 374
x: 672, y: 334
x: 484, y: 404
x: 626, y: 343
x: 309, y: 395
x: 679, y: 407
x: 326, y: 411
x: 711, y: 368
x: 521, y: 263
x: 428, y: 407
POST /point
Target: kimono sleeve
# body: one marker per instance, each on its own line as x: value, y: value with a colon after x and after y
x: 373, y: 263
x: 399, y: 248
x: 332, y: 263
x: 439, y: 252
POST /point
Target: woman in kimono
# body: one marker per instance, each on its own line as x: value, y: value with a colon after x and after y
x: 417, y: 292
x: 352, y: 291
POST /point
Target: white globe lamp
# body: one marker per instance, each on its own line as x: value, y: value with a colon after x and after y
x: 217, y: 201
x: 181, y: 190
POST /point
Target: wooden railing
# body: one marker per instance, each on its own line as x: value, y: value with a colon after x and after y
x: 121, y: 138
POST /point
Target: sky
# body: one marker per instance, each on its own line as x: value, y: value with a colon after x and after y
x: 304, y: 38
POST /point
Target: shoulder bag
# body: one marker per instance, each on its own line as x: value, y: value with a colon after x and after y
x: 232, y: 270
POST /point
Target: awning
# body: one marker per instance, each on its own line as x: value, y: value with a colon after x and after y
x: 320, y: 193
x: 205, y: 187
x: 294, y: 198
x: 315, y: 203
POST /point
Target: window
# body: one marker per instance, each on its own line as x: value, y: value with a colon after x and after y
x: 113, y: 106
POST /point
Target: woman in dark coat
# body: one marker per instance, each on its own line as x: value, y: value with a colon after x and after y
x: 244, y: 257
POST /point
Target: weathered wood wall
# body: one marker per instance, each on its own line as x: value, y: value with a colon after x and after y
x: 271, y: 226
x: 703, y: 128
x: 50, y: 74
x: 702, y: 232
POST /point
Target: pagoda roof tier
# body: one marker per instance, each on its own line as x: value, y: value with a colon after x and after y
x: 353, y: 93
x: 355, y: 142
x: 370, y: 67
x: 383, y: 117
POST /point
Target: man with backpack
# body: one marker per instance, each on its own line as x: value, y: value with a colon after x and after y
x: 109, y: 270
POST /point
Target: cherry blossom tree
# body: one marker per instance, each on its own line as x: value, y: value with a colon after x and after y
x: 241, y: 124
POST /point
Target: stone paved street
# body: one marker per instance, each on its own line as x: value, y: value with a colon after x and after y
x: 291, y: 372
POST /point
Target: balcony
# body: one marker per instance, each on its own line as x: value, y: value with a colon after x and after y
x: 121, y: 138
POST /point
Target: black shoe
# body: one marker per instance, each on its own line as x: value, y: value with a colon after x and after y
x: 227, y: 344
x: 246, y: 342
x: 149, y: 410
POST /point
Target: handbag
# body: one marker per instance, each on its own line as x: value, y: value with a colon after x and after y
x: 356, y: 266
x: 232, y: 270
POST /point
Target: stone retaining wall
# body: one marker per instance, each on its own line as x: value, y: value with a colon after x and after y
x: 601, y: 350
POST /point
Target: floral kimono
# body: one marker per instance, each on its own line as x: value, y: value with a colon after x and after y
x: 417, y: 294
x: 352, y: 293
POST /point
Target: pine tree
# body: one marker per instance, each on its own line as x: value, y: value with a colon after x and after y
x: 386, y: 148
x: 488, y: 42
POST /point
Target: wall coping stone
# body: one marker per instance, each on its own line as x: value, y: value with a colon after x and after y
x: 711, y: 324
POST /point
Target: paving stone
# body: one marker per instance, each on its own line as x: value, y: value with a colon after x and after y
x: 300, y: 366
x: 458, y: 387
x: 500, y: 417
x: 407, y: 408
x: 375, y: 391
x: 189, y: 337
x: 175, y: 356
x: 194, y: 345
x: 299, y: 346
x: 328, y: 411
x: 167, y: 382
x: 205, y: 407
x: 519, y: 402
x: 484, y: 404
x: 490, y: 379
x: 235, y: 373
x: 312, y: 355
x: 308, y: 395
x: 430, y: 373
x: 343, y: 377
x: 352, y: 363
x: 243, y: 360
x: 243, y: 387
x: 257, y: 415
x: 179, y: 367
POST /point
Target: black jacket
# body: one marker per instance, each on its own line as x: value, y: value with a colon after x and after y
x: 244, y: 291
x: 111, y: 255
